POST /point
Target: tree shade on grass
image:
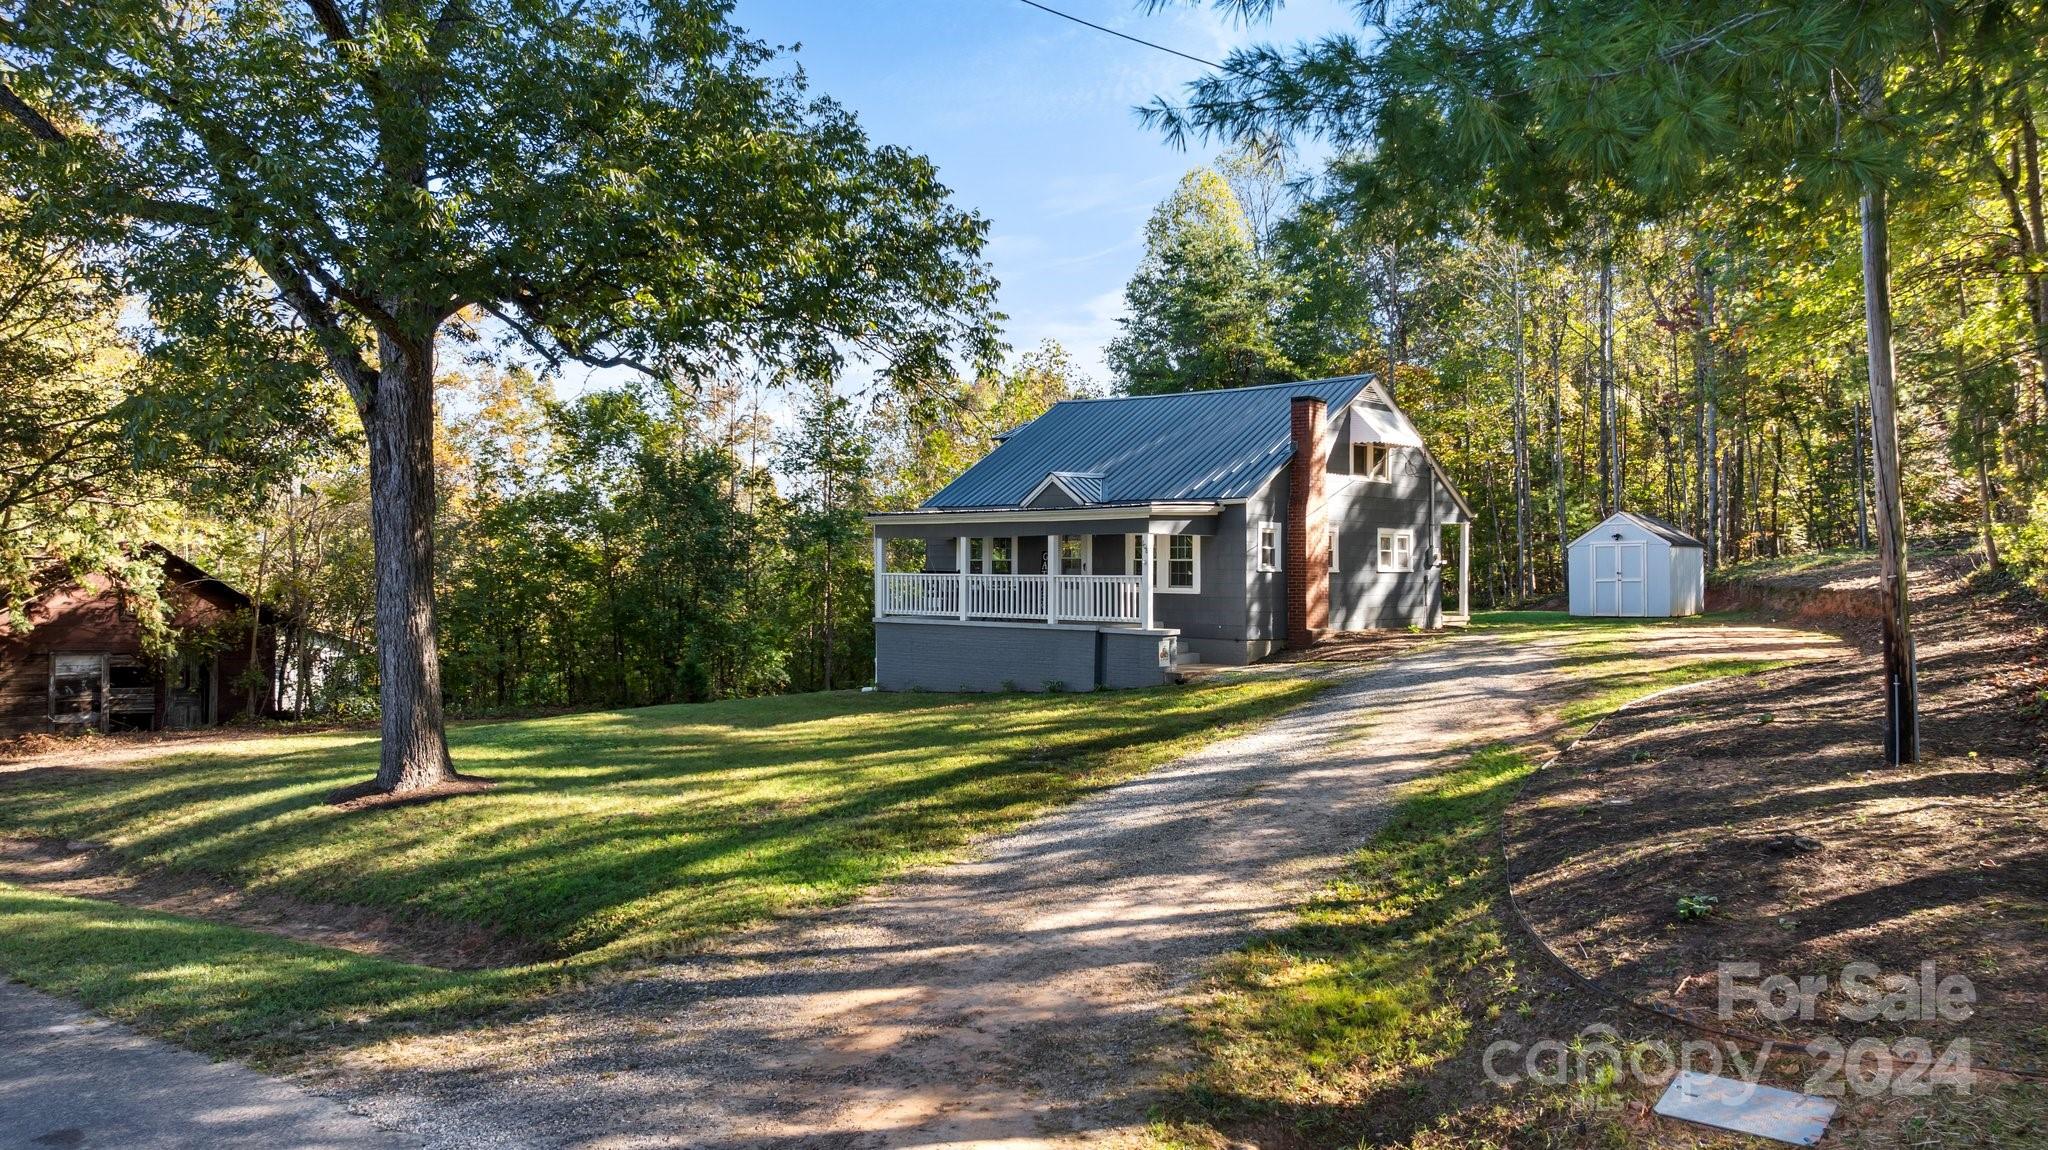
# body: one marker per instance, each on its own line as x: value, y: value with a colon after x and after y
x: 609, y: 837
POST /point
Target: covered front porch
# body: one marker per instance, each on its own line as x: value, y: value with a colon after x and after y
x: 1090, y: 565
x: 1030, y: 599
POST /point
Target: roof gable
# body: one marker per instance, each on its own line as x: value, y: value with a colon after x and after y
x: 1197, y: 445
x: 1066, y: 489
x: 1648, y: 523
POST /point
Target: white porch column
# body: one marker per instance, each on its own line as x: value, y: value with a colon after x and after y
x: 1052, y: 578
x: 1145, y: 565
x: 881, y: 573
x: 1465, y: 569
x: 960, y: 564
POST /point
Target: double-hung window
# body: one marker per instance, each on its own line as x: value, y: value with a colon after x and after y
x: 1183, y: 563
x: 1269, y: 546
x: 1372, y: 462
x: 1397, y: 550
x: 1176, y: 562
x: 1334, y: 535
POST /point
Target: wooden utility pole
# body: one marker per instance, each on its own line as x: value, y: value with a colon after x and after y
x: 1902, y: 692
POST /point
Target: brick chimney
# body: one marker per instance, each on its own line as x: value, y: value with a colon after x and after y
x: 1307, y: 540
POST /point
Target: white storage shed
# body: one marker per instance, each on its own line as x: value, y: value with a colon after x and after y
x: 1637, y: 565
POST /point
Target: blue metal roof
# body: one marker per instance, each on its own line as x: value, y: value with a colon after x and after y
x: 1085, y: 486
x: 1193, y: 445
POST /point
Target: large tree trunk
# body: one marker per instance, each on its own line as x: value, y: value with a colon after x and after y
x: 2037, y: 223
x: 1524, y: 577
x: 400, y: 428
x: 1610, y: 429
x: 1902, y: 704
x: 1710, y: 432
x: 1557, y: 487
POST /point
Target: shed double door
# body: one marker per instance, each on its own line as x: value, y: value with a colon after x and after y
x: 1619, y: 583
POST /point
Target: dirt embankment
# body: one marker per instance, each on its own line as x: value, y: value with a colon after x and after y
x: 1766, y: 802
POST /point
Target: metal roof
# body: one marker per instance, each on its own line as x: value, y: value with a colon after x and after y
x: 1084, y: 486
x: 1193, y: 445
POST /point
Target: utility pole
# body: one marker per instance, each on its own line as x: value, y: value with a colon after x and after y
x: 1902, y: 690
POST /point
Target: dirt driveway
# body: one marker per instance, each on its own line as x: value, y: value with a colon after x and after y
x: 1021, y: 998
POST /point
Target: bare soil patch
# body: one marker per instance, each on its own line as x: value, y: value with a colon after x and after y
x: 365, y: 796
x: 1356, y: 646
x: 84, y: 870
x: 1770, y: 795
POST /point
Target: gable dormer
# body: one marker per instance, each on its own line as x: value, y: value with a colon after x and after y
x: 1066, y: 489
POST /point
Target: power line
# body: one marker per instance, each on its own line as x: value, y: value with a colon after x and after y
x: 1122, y: 35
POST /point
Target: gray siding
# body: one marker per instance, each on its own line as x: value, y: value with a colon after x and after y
x: 940, y: 656
x: 1362, y: 597
x: 1131, y: 658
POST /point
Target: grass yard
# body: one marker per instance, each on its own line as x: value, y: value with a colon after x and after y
x: 609, y: 838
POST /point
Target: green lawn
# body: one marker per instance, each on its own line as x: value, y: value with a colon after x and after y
x: 610, y: 837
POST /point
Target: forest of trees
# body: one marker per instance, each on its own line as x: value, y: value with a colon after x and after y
x: 1738, y: 406
x: 1608, y: 255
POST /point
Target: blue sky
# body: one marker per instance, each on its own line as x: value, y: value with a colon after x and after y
x: 1029, y: 120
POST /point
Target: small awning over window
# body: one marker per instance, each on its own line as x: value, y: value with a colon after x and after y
x: 1371, y: 424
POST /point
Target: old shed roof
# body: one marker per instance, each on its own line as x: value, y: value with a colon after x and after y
x: 1197, y: 445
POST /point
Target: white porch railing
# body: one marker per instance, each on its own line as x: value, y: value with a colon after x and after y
x: 1079, y: 598
x: 915, y: 594
x: 1099, y: 598
x: 1006, y: 597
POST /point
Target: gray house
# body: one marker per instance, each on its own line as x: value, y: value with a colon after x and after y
x: 1110, y: 540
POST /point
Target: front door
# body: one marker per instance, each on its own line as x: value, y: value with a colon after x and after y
x: 1619, y: 587
x: 186, y: 701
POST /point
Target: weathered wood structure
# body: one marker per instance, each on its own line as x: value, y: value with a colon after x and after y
x: 82, y: 663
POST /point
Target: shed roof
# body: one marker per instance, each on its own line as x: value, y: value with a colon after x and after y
x: 1196, y: 445
x: 1650, y: 523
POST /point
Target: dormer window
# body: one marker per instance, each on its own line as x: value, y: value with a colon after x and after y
x: 1372, y: 462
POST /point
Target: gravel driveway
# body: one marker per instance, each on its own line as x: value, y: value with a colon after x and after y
x: 1015, y: 999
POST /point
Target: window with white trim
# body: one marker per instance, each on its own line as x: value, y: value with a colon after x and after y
x: 1372, y: 462
x: 991, y: 556
x: 1397, y: 550
x: 1074, y: 557
x: 1333, y: 533
x: 1269, y: 547
x: 1183, y: 563
x: 1176, y: 562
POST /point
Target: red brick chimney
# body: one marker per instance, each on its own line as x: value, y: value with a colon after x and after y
x: 1307, y: 540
